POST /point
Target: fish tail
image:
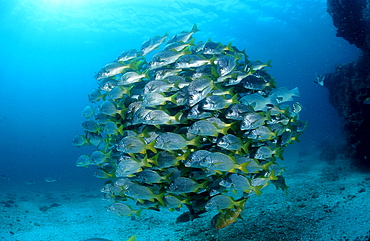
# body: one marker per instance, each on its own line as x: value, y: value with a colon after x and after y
x: 268, y: 64
x: 151, y: 147
x: 191, y: 42
x: 229, y: 48
x: 279, y: 153
x: 195, y: 28
x: 295, y: 92
x: 159, y: 197
x: 137, y: 212
x: 257, y: 190
x: 295, y: 138
x: 186, y: 51
x: 243, y: 167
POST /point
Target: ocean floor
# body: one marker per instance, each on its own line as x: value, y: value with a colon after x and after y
x: 326, y: 201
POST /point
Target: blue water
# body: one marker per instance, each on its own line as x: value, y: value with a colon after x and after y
x: 50, y: 50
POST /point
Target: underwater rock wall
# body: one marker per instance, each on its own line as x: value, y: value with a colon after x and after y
x: 349, y: 85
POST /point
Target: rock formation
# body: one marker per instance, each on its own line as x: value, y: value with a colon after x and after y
x: 349, y: 85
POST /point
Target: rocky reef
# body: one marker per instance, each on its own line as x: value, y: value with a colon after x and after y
x: 349, y: 85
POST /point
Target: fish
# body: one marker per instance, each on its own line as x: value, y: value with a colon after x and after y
x: 232, y: 78
x: 158, y: 86
x: 83, y: 161
x: 119, y: 92
x: 283, y: 94
x: 111, y: 128
x: 196, y: 112
x: 95, y: 96
x: 252, y: 121
x: 160, y: 117
x: 127, y: 166
x: 220, y: 202
x: 178, y: 46
x: 173, y: 202
x: 133, y: 144
x: 199, y: 89
x: 172, y: 141
x: 107, y: 84
x: 131, y: 77
x: 215, y: 48
x: 167, y: 57
x: 128, y: 55
x: 161, y: 74
x: 226, y: 64
x: 206, y: 128
x: 115, y: 68
x: 258, y: 102
x: 320, y: 79
x: 80, y: 140
x: 165, y: 159
x: 265, y: 152
x: 152, y: 44
x: 297, y: 107
x: 154, y: 99
x: 224, y: 219
x: 142, y: 193
x: 192, y: 61
x: 221, y: 162
x: 88, y: 111
x: 261, y: 133
x: 122, y: 209
x: 237, y: 182
x: 149, y: 177
x: 94, y: 138
x: 185, y: 185
x: 183, y: 36
x: 231, y: 142
x: 217, y: 102
x: 110, y: 108
x: 99, y: 157
x: 253, y: 82
x: 257, y: 65
x: 91, y: 126
x: 196, y: 158
x: 238, y: 111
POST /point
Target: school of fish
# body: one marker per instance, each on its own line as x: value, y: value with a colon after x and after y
x: 197, y: 125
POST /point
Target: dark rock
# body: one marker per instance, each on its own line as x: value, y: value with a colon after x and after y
x: 349, y: 85
x: 351, y: 17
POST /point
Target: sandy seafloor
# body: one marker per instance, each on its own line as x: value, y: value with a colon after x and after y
x: 326, y: 201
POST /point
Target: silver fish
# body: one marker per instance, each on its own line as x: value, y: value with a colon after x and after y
x: 173, y: 141
x: 238, y: 111
x: 225, y: 65
x: 185, y: 185
x: 191, y: 61
x: 183, y: 36
x: 152, y: 43
x: 252, y: 121
x: 230, y: 142
x: 196, y: 158
x: 205, y: 128
x: 199, y: 89
x: 122, y: 210
x: 128, y: 55
x: 167, y: 57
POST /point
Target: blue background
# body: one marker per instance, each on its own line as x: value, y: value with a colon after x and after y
x: 50, y: 50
